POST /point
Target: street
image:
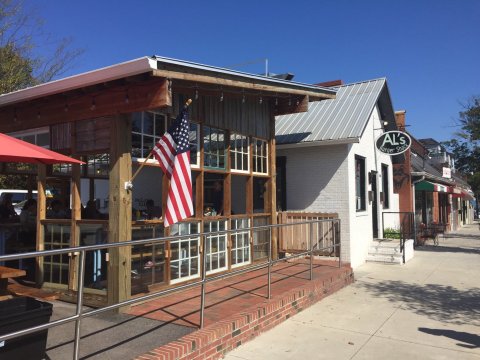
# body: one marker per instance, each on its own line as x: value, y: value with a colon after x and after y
x: 426, y: 309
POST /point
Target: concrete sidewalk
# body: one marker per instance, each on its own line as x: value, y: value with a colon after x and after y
x: 426, y: 309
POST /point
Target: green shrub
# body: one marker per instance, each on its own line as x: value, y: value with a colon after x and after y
x: 391, y: 233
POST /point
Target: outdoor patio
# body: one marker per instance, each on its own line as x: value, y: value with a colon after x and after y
x: 232, y: 306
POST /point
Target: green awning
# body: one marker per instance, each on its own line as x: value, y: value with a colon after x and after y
x: 429, y: 186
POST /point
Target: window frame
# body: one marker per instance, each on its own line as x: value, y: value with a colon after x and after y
x: 235, y: 153
x: 256, y: 156
x: 362, y: 184
x: 385, y: 186
x: 219, y: 153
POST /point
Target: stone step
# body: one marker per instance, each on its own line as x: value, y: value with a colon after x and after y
x: 384, y: 250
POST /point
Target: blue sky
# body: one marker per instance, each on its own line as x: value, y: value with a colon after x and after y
x: 428, y: 50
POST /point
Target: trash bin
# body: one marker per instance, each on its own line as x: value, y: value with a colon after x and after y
x: 20, y: 313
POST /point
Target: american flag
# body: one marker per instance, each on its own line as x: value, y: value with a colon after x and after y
x: 173, y: 153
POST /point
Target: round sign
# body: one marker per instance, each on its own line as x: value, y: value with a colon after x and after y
x: 393, y: 142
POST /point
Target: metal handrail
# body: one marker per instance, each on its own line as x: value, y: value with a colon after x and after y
x: 79, y: 315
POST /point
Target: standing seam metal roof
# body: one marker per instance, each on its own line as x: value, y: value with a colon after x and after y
x: 344, y: 117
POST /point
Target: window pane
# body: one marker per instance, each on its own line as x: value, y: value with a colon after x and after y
x: 137, y: 122
x: 159, y: 125
x: 136, y: 145
x: 148, y: 119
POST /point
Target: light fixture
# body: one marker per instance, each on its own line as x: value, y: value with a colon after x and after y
x: 260, y: 101
x: 243, y: 99
x: 221, y: 97
x: 196, y: 94
x: 385, y: 123
x: 289, y: 101
x: 298, y: 102
x: 276, y: 101
x: 65, y: 108
x: 38, y: 115
x: 127, y: 98
x: 93, y: 106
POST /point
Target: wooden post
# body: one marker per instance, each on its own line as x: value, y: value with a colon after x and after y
x: 120, y: 209
x: 272, y: 186
x: 74, y: 230
x: 41, y: 215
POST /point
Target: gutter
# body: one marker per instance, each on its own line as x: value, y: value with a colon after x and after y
x: 318, y: 143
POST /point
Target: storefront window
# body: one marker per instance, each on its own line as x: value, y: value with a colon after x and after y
x: 147, y: 128
x: 360, y: 193
x: 385, y: 189
x: 216, y: 246
x: 260, y: 156
x: 214, y: 148
x: 239, y: 153
x: 240, y: 242
x: 184, y: 260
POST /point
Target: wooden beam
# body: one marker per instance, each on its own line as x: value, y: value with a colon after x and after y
x: 120, y: 210
x: 74, y: 229
x: 41, y: 215
x: 121, y: 99
x: 295, y: 104
x: 231, y: 81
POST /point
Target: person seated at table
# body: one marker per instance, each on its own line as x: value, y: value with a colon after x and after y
x: 152, y: 211
x: 91, y: 211
x: 56, y: 210
x: 7, y: 211
x: 28, y: 216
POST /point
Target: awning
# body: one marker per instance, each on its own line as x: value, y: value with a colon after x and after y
x: 16, y: 150
x: 429, y: 186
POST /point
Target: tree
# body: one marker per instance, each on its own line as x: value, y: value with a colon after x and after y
x: 466, y: 148
x: 470, y: 119
x: 20, y: 64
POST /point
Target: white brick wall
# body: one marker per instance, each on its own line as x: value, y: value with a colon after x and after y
x: 317, y: 180
x: 322, y: 179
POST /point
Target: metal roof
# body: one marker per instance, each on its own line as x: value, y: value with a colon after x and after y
x: 341, y: 119
x: 145, y: 64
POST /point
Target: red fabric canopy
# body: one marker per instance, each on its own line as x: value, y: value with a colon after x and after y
x: 15, y: 150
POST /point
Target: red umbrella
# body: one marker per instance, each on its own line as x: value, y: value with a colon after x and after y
x: 15, y: 150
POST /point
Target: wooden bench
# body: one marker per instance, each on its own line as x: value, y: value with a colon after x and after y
x: 5, y: 274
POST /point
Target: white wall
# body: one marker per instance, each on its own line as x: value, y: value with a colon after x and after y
x: 317, y: 181
x: 322, y: 179
x: 361, y: 226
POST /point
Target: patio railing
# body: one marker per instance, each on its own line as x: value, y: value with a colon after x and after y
x: 311, y: 248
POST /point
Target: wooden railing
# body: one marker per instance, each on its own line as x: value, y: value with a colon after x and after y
x: 296, y: 238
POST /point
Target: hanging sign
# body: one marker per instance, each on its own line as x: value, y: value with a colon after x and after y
x: 393, y: 142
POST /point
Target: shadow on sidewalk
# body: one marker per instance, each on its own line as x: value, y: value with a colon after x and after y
x: 471, y: 341
x: 438, y: 302
x: 459, y: 235
x: 452, y: 249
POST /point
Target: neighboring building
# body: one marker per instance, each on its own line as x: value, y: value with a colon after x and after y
x: 430, y: 187
x: 328, y: 162
x: 111, y: 118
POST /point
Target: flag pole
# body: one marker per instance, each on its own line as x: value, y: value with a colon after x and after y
x: 129, y: 184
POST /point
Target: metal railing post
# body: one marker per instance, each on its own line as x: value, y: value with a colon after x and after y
x: 311, y: 251
x: 204, y: 279
x: 81, y: 276
x: 269, y: 286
